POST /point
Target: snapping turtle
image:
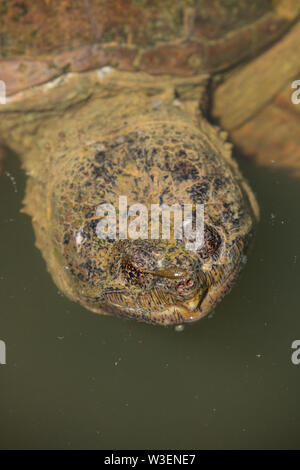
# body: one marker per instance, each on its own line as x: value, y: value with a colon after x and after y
x: 117, y: 98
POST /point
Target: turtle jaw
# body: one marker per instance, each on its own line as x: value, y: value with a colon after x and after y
x: 171, y: 310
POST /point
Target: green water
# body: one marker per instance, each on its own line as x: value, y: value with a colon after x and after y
x: 75, y: 380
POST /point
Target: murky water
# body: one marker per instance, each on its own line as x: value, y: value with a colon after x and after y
x: 77, y: 380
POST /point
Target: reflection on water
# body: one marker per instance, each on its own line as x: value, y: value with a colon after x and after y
x: 77, y: 380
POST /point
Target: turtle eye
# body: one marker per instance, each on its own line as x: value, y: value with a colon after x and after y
x: 131, y: 272
x: 212, y: 243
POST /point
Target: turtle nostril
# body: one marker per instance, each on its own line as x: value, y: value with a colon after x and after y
x: 185, y: 286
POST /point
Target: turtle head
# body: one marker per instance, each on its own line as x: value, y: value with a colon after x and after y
x: 103, y: 245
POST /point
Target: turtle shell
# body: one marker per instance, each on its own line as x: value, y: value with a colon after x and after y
x: 41, y: 40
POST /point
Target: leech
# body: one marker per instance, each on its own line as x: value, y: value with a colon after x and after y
x: 170, y: 273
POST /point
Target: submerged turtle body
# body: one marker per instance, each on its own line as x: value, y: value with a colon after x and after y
x: 87, y: 138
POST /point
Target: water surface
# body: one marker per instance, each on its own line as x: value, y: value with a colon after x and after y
x: 77, y: 380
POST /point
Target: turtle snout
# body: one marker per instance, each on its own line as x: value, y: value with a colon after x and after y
x: 173, y: 278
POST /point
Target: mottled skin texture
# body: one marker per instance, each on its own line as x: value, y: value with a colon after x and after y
x: 140, y: 131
